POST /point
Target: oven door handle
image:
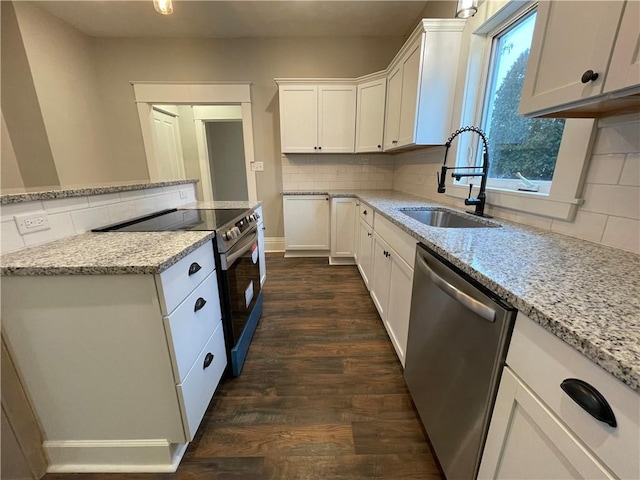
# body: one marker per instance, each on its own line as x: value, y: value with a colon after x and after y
x: 232, y: 255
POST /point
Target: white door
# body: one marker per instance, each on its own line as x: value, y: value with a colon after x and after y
x: 343, y: 227
x: 392, y: 115
x: 336, y: 118
x: 306, y: 222
x: 299, y: 118
x: 168, y: 146
x: 365, y: 240
x: 381, y: 275
x: 570, y: 38
x: 370, y: 116
x: 397, y: 321
x: 527, y: 441
x: 409, y: 102
x: 624, y: 70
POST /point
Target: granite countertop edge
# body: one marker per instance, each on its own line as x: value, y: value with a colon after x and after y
x: 50, y: 194
x: 622, y: 368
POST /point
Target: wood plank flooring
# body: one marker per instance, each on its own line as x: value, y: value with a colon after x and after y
x: 321, y: 395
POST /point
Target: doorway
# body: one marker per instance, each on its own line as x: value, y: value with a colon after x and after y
x: 225, y: 146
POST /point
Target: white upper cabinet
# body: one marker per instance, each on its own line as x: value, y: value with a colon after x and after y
x: 392, y: 116
x: 581, y: 61
x: 421, y: 84
x: 299, y: 118
x: 370, y: 115
x: 317, y: 118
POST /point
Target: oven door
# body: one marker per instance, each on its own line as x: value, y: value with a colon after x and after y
x: 241, y: 267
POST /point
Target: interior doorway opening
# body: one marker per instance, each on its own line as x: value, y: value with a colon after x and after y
x: 225, y: 146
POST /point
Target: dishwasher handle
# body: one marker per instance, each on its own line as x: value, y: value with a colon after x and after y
x: 467, y: 301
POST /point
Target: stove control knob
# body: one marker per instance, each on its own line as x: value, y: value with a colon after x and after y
x: 236, y: 232
x: 225, y: 236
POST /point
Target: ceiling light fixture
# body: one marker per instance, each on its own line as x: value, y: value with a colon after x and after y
x: 465, y: 8
x: 165, y: 7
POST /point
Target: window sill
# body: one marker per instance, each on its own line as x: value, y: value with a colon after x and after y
x: 529, y: 202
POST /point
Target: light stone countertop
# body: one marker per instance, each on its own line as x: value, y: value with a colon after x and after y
x: 586, y: 294
x: 48, y: 193
x: 112, y: 253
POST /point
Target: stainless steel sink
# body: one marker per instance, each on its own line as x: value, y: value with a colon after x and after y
x: 435, y: 217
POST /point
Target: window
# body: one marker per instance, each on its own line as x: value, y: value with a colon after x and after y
x: 517, y: 144
x: 551, y: 153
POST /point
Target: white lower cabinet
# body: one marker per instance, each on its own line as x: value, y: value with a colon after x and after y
x: 306, y: 225
x: 261, y: 252
x: 526, y: 440
x: 538, y: 431
x: 381, y: 275
x: 343, y: 230
x: 365, y: 247
x: 113, y: 364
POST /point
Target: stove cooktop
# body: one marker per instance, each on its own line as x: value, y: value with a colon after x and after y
x: 170, y: 220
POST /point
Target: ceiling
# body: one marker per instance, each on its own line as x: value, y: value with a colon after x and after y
x: 239, y: 18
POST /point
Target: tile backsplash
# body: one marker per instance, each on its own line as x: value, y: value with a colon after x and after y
x: 334, y: 172
x: 610, y: 214
x: 74, y: 215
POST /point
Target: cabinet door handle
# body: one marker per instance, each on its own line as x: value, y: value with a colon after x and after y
x: 368, y: 234
x: 364, y: 212
x: 194, y: 268
x: 394, y: 141
x: 208, y: 358
x: 379, y: 146
x: 590, y: 399
x: 319, y: 148
x: 201, y: 302
x: 315, y: 148
x: 589, y: 76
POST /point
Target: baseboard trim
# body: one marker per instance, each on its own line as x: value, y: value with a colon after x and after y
x: 342, y: 261
x: 113, y: 456
x: 306, y: 253
x: 274, y: 244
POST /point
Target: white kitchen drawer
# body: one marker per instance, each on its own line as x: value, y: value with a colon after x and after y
x: 366, y: 213
x: 188, y: 329
x: 176, y: 282
x: 543, y: 361
x: 196, y: 391
x: 403, y: 243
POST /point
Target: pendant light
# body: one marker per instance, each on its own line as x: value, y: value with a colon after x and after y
x: 165, y: 7
x: 466, y: 8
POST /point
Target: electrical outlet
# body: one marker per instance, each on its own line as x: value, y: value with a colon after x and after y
x: 365, y: 161
x: 32, y: 222
x: 183, y: 194
x: 257, y: 166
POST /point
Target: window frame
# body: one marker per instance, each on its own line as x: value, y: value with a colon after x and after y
x: 564, y: 196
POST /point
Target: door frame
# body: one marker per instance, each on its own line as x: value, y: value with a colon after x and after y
x: 205, y: 93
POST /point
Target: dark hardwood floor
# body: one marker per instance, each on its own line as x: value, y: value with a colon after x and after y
x: 321, y: 395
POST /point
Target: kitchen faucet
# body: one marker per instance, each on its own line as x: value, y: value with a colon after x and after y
x: 478, y: 201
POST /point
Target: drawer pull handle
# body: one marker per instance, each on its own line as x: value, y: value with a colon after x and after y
x: 194, y: 268
x: 364, y: 212
x: 200, y: 302
x: 589, y: 76
x: 208, y: 358
x: 590, y: 399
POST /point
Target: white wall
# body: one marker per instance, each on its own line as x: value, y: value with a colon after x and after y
x: 610, y: 214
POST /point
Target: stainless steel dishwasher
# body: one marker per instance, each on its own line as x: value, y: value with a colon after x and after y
x: 458, y: 335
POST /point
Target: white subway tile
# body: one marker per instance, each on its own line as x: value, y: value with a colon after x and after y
x: 132, y: 195
x: 152, y: 192
x: 165, y: 201
x: 588, y: 226
x: 8, y: 211
x: 617, y: 200
x: 104, y: 199
x: 10, y: 239
x: 290, y: 186
x: 65, y: 204
x: 289, y: 169
x: 305, y: 186
x: 188, y: 194
x: 146, y: 205
x: 89, y: 218
x: 119, y: 212
x: 61, y: 226
x: 605, y: 169
x: 171, y: 188
x: 622, y: 233
x: 618, y: 139
x: 631, y: 171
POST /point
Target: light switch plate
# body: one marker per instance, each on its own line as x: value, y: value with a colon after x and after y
x: 257, y: 166
x: 32, y: 222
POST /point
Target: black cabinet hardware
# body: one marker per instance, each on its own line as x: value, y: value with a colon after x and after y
x: 194, y: 268
x: 208, y: 358
x: 201, y: 302
x: 590, y: 399
x: 589, y: 76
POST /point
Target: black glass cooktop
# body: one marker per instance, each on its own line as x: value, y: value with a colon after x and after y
x: 178, y: 220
